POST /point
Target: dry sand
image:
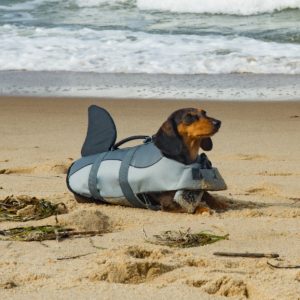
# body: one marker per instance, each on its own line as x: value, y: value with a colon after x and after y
x: 258, y: 153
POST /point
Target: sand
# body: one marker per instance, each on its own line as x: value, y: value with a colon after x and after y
x: 258, y: 153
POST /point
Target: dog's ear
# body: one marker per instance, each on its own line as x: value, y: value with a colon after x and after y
x: 206, y: 144
x: 167, y: 139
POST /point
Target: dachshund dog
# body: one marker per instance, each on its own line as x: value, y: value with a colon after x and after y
x: 180, y: 137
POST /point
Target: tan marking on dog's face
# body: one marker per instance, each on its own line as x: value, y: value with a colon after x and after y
x: 195, y: 124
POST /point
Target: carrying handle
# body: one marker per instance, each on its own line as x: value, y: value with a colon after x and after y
x: 146, y: 139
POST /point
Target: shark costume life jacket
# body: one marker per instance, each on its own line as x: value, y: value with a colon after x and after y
x: 124, y: 176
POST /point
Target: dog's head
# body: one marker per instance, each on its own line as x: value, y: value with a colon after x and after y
x: 181, y: 135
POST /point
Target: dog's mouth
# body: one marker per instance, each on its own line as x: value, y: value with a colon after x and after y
x: 214, y: 131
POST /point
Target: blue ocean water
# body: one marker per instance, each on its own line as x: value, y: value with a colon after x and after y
x: 151, y: 36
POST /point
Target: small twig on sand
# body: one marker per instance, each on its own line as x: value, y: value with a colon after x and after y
x: 8, y: 245
x: 43, y: 244
x: 78, y: 234
x: 75, y: 256
x: 247, y: 254
x: 94, y: 246
x: 81, y: 233
x: 284, y: 267
x: 145, y: 234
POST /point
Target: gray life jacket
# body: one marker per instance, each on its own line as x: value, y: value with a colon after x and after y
x: 125, y: 176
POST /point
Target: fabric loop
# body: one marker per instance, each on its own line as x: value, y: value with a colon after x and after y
x: 92, y: 181
x: 123, y: 179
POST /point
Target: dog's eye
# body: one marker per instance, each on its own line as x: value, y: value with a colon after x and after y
x: 189, y: 119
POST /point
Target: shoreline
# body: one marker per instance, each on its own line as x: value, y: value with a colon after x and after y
x: 145, y: 100
x: 219, y: 87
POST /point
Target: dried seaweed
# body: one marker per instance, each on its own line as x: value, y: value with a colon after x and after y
x: 42, y: 233
x: 185, y: 239
x: 25, y: 208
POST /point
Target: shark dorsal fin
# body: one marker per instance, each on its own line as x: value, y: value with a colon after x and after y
x: 101, y: 134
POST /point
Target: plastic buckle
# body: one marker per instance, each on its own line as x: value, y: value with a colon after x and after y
x: 147, y: 140
x: 196, y: 173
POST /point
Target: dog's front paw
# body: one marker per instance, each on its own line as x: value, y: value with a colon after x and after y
x: 188, y: 200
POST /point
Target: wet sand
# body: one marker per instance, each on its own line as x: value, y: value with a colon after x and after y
x: 229, y: 87
x: 257, y: 151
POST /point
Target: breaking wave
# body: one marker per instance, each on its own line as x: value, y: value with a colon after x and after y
x: 114, y: 51
x: 231, y: 7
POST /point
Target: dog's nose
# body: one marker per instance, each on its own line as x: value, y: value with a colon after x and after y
x: 217, y: 123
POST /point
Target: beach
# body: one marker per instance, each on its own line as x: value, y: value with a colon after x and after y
x: 256, y: 151
x: 141, y: 60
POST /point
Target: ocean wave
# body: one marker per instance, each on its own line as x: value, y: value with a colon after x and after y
x: 115, y: 51
x: 231, y: 7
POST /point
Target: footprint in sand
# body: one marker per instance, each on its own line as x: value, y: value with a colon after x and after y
x: 48, y: 168
x: 87, y: 220
x: 141, y: 253
x: 131, y: 265
x: 132, y: 272
x: 225, y: 286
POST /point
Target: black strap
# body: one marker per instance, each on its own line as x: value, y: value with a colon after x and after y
x: 93, y: 180
x: 126, y: 188
x: 123, y: 179
x: 146, y: 139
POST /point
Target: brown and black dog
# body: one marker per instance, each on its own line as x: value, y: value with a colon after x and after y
x: 180, y: 138
x: 186, y: 131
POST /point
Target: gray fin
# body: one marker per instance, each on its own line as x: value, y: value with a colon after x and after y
x: 101, y: 133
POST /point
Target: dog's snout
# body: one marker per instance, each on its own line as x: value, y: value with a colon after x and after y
x: 217, y: 123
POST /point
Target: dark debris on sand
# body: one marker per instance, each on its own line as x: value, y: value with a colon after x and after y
x: 26, y: 208
x: 185, y: 239
x: 42, y: 233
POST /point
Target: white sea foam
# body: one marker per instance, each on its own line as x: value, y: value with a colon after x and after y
x: 236, y: 7
x: 117, y: 51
